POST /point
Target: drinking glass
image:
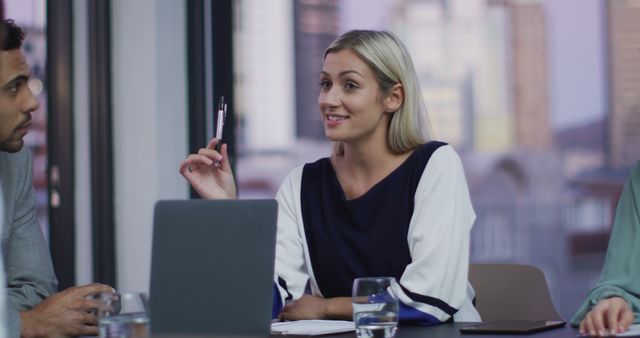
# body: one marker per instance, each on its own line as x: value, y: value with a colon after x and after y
x: 375, y: 307
x: 123, y: 315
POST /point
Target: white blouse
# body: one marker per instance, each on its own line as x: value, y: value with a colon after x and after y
x: 438, y: 241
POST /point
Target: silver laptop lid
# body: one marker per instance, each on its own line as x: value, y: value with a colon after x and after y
x: 212, y: 267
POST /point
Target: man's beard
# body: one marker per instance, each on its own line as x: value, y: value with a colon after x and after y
x: 15, y: 142
x: 12, y: 146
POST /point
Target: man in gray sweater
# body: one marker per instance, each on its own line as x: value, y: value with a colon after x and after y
x: 33, y: 307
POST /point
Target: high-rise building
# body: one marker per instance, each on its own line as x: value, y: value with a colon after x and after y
x: 529, y: 74
x: 495, y: 50
x: 445, y: 107
x: 316, y: 25
x: 623, y: 24
x: 494, y: 118
x: 442, y: 38
x: 264, y: 75
x: 459, y: 48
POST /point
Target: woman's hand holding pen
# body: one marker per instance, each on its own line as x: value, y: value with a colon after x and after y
x: 209, y: 172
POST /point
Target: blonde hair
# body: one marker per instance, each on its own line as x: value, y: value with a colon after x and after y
x: 391, y: 64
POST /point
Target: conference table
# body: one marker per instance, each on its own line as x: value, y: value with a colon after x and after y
x: 451, y: 330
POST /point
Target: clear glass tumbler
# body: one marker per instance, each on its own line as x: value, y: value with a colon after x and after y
x: 124, y: 315
x: 375, y: 307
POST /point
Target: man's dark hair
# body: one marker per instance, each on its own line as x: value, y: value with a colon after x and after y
x: 13, y: 35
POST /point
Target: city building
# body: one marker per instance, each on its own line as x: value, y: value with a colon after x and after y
x: 623, y: 25
x: 263, y: 53
x: 316, y: 25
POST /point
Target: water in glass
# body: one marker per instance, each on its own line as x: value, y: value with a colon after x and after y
x: 376, y: 320
x: 123, y: 315
x: 130, y: 325
x: 375, y: 307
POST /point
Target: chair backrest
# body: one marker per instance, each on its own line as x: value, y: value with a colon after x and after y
x: 511, y: 292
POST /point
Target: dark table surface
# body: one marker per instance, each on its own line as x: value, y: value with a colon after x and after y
x: 453, y: 330
x: 439, y: 331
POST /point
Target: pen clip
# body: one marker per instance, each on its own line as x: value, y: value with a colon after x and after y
x: 221, y: 103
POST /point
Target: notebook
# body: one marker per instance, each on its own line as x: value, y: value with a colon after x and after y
x: 212, y: 267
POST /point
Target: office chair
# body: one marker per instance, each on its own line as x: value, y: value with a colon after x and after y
x: 511, y: 292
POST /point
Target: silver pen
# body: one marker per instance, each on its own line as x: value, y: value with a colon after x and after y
x: 220, y: 118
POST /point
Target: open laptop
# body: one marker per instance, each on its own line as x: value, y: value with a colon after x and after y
x: 212, y: 267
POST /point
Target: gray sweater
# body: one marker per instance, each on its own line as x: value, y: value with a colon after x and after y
x: 27, y: 262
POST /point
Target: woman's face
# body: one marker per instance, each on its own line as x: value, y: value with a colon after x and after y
x: 350, y: 100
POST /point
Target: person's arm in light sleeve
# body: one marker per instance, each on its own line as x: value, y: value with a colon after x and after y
x: 291, y: 274
x: 3, y: 290
x: 616, y: 297
x: 29, y: 270
x: 433, y: 287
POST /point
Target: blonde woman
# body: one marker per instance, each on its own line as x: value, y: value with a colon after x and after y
x: 387, y: 202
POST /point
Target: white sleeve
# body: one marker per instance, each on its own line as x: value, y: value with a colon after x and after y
x: 435, y: 282
x: 291, y: 274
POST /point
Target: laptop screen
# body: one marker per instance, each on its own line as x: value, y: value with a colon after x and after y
x: 212, y: 266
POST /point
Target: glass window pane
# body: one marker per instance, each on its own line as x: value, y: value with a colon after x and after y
x: 518, y: 88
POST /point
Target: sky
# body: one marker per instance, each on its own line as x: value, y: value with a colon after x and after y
x: 577, y: 60
x: 576, y: 56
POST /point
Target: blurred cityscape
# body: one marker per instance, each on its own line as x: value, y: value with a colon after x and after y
x: 547, y: 129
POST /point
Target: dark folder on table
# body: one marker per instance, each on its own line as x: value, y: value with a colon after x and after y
x: 212, y: 267
x: 512, y: 326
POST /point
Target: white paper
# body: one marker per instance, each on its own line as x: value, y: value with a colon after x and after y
x: 312, y: 327
x: 632, y: 331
